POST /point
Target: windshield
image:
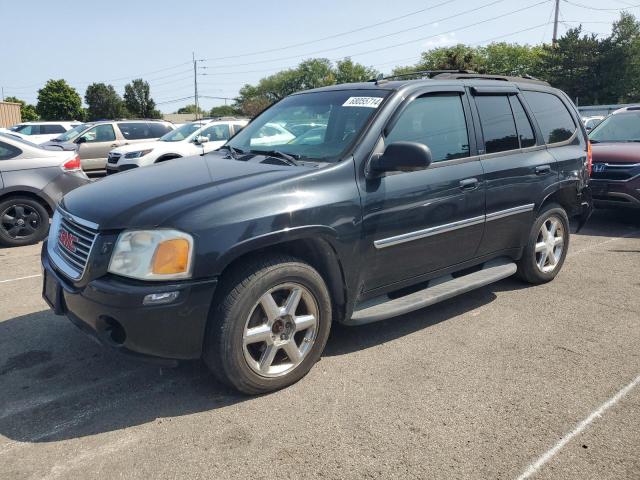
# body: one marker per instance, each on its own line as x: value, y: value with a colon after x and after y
x: 315, y: 126
x: 72, y: 134
x: 181, y: 133
x: 622, y: 127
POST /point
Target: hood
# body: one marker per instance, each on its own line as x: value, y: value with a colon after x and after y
x: 148, y: 197
x: 616, y: 152
x: 134, y: 147
x: 51, y: 145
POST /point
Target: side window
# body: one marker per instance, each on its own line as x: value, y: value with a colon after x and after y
x: 158, y: 129
x: 216, y: 133
x: 51, y: 129
x: 555, y: 121
x: 135, y: 131
x: 523, y: 124
x: 8, y: 151
x: 498, y: 125
x: 28, y: 129
x: 237, y: 127
x: 436, y: 121
x: 100, y: 133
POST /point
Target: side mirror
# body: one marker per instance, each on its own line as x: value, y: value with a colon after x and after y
x: 199, y: 140
x: 82, y: 139
x: 400, y: 157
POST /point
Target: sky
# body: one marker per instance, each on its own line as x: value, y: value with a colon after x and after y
x: 240, y: 42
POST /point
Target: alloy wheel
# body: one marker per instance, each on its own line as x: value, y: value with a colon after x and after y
x: 549, y: 244
x: 280, y: 330
x: 20, y: 221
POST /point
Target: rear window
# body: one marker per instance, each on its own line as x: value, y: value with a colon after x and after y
x: 554, y: 119
x: 498, y: 125
x: 135, y: 131
x: 51, y: 129
x: 27, y: 129
x: 523, y: 124
x: 8, y: 151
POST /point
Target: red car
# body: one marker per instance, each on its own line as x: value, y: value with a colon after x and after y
x: 615, y: 175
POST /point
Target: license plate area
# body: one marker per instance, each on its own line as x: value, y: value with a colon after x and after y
x: 52, y: 293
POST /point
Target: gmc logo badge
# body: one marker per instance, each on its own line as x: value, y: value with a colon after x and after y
x: 67, y: 240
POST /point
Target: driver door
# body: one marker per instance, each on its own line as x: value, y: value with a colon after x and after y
x: 217, y: 135
x: 418, y: 222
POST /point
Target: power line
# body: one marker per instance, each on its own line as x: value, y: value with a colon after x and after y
x: 371, y: 39
x: 575, y: 4
x: 337, y: 35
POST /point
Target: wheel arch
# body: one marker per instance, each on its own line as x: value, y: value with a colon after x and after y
x: 167, y: 156
x: 314, y: 246
x: 566, y: 196
x: 48, y: 204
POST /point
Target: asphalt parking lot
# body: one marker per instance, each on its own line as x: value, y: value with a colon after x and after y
x: 482, y: 386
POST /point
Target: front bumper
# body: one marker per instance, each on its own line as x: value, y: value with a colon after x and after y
x: 111, y: 169
x: 616, y: 193
x: 110, y: 309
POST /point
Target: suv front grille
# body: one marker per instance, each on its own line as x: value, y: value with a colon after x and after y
x: 614, y: 171
x: 113, y: 157
x: 73, y: 243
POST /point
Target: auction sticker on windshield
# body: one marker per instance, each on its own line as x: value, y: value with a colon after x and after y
x: 369, y: 102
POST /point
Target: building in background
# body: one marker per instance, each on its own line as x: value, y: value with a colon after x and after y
x: 9, y: 114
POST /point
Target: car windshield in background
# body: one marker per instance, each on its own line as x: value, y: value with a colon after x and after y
x: 181, y: 133
x: 69, y: 135
x: 315, y: 126
x: 622, y: 127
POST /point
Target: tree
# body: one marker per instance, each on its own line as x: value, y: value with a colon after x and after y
x: 103, y: 102
x: 224, y: 111
x: 138, y: 100
x: 508, y: 59
x: 191, y: 109
x: 313, y: 73
x: 27, y: 112
x: 57, y: 100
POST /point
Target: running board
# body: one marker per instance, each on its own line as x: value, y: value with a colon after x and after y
x: 439, y: 289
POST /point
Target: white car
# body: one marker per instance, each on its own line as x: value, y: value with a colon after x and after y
x: 272, y: 134
x: 192, y: 138
x: 592, y: 122
x: 40, y: 132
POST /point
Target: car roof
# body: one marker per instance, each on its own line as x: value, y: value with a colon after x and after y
x: 631, y: 108
x: 48, y: 122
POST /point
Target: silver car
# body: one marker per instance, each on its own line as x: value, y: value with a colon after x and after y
x: 93, y: 141
x: 33, y: 180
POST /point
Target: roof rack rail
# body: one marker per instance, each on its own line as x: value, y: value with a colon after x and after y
x: 421, y: 73
x: 482, y: 76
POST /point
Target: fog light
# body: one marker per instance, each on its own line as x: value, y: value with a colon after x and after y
x: 160, y: 298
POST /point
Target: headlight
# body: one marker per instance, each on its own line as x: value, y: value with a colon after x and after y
x: 138, y: 154
x: 153, y: 255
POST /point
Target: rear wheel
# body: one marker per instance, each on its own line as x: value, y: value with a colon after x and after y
x: 23, y: 221
x: 547, y: 246
x: 271, y: 325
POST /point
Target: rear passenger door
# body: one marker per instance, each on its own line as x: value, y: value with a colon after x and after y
x: 518, y: 169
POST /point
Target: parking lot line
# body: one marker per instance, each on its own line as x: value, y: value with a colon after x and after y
x: 553, y: 451
x: 20, y: 278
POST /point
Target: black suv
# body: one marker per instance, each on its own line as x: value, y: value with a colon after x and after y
x: 402, y: 193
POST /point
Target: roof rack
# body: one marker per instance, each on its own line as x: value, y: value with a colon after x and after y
x: 479, y: 76
x: 421, y: 73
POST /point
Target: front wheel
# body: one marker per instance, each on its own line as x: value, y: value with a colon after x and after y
x: 23, y: 221
x: 546, y: 247
x: 271, y: 324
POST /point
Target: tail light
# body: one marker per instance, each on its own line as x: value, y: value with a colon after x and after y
x: 72, y: 165
x: 589, y: 157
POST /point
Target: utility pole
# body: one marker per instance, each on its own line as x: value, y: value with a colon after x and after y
x: 555, y: 25
x: 195, y: 83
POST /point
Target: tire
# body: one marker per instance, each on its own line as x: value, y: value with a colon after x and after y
x: 542, y: 260
x: 253, y: 350
x: 23, y: 221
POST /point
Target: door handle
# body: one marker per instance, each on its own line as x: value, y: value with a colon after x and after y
x: 469, y: 184
x: 114, y: 144
x: 543, y: 169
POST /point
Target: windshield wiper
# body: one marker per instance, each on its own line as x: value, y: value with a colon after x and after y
x: 233, y: 152
x: 290, y: 158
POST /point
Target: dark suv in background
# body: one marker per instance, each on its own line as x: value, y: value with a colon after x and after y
x: 615, y: 179
x: 411, y: 192
x: 95, y: 140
